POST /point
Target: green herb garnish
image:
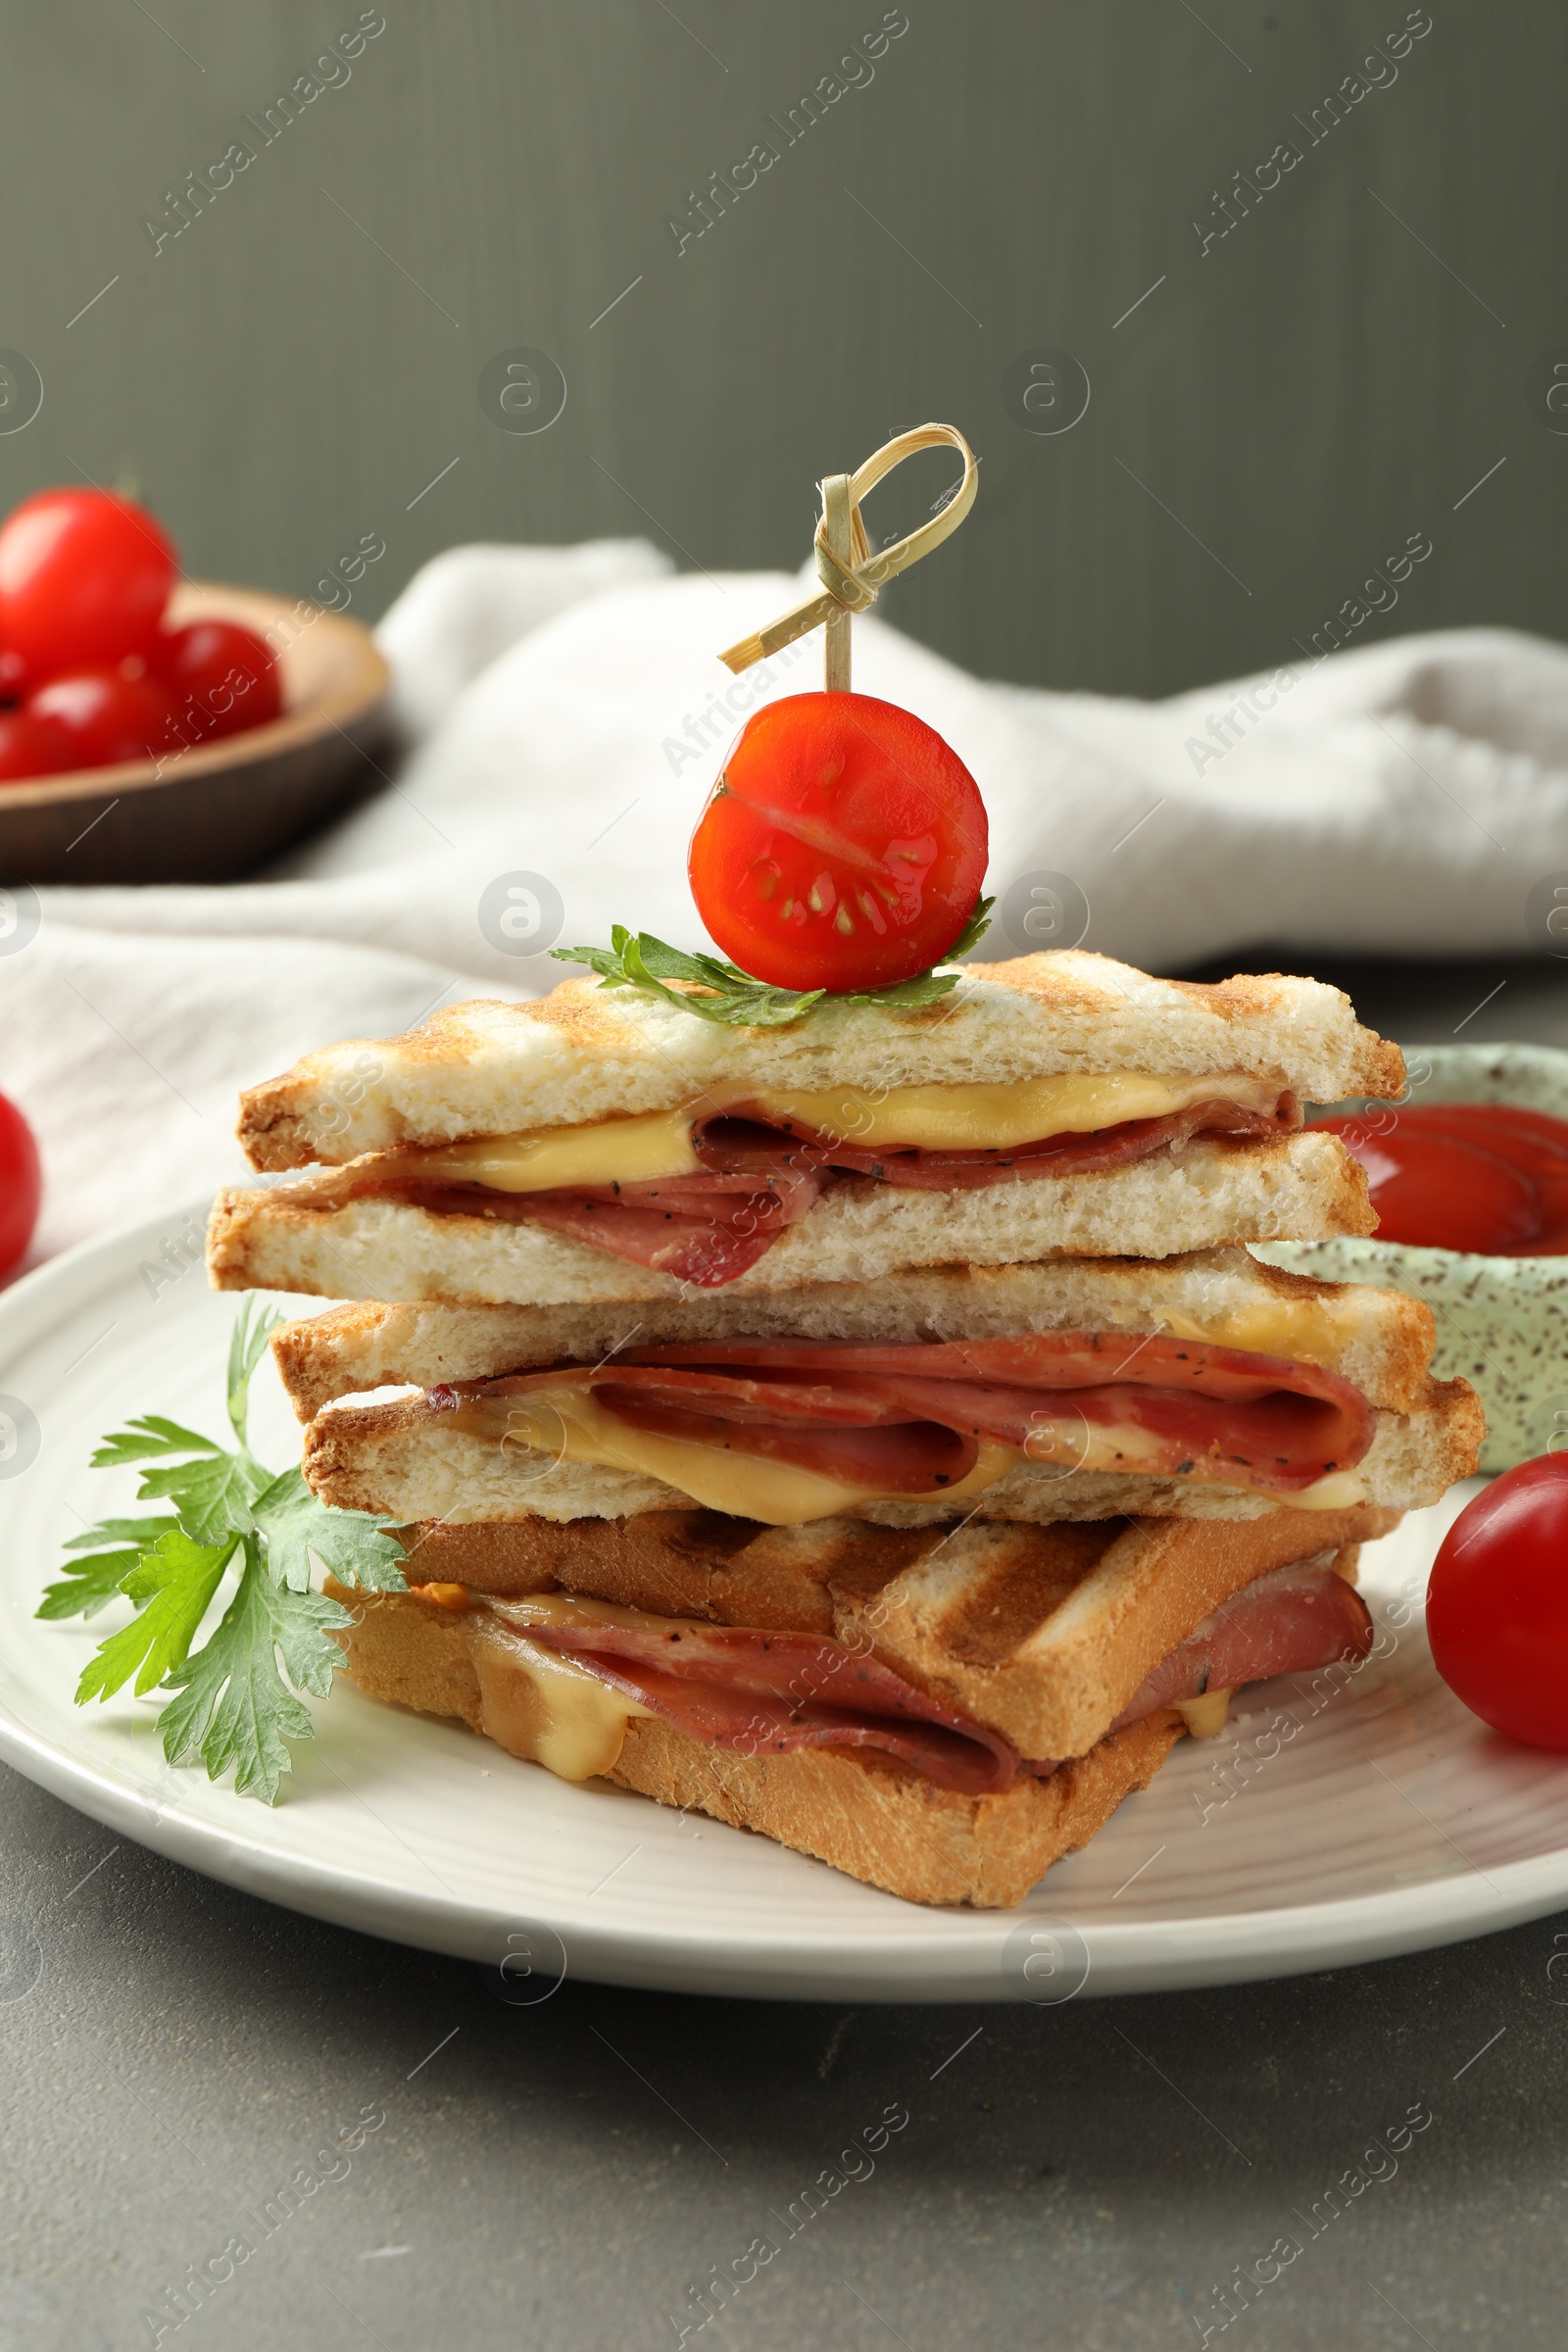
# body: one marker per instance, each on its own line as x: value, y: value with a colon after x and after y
x: 637, y: 959
x: 236, y: 1703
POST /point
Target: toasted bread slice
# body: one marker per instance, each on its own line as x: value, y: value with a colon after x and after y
x: 407, y: 1461
x: 1303, y: 1187
x: 586, y: 1053
x: 880, y: 1822
x: 1380, y: 1340
x: 1043, y: 1632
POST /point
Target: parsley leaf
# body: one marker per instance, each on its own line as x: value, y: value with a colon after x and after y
x: 645, y: 963
x: 728, y: 994
x: 974, y: 930
x: 142, y: 1533
x: 251, y: 1334
x: 235, y: 1708
x: 237, y: 1701
x: 149, y: 1435
x: 212, y: 1494
x: 90, y: 1583
x: 175, y: 1581
x: 352, y: 1544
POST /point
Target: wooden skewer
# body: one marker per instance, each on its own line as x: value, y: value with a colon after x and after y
x: 850, y: 574
x: 838, y: 530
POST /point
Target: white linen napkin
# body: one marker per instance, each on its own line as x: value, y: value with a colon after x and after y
x: 566, y: 714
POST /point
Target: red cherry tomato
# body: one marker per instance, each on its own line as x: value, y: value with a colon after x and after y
x: 1497, y: 1604
x: 21, y: 1184
x: 85, y: 578
x: 30, y: 747
x: 104, y: 717
x: 843, y: 848
x: 1475, y: 1176
x: 223, y: 677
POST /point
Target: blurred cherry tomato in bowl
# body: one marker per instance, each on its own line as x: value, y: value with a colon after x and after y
x: 85, y: 576
x: 20, y: 1185
x: 222, y: 678
x: 31, y: 747
x: 1497, y: 1604
x: 104, y: 717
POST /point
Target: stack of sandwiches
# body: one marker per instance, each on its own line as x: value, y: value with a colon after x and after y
x: 873, y: 1432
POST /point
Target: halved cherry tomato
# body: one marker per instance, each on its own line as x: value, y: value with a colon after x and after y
x: 1475, y: 1176
x: 1497, y: 1604
x: 223, y: 677
x: 21, y: 1184
x: 843, y: 848
x: 31, y: 747
x: 85, y: 578
x: 105, y: 717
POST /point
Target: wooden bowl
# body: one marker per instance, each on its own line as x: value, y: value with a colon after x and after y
x: 220, y: 809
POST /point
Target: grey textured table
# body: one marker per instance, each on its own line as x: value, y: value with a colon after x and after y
x: 390, y: 2155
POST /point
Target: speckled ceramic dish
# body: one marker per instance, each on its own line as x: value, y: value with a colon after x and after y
x: 1502, y: 1321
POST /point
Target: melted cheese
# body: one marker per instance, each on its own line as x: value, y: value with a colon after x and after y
x: 547, y: 1708
x: 612, y: 1152
x: 1339, y: 1491
x: 1306, y: 1331
x: 569, y: 1424
x: 934, y: 1118
x: 1205, y: 1718
x: 577, y: 1608
x: 574, y: 1426
x: 997, y: 1118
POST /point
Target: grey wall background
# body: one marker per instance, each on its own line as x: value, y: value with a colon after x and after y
x: 1338, y: 372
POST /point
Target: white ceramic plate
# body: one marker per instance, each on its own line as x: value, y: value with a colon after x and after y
x: 1380, y: 1818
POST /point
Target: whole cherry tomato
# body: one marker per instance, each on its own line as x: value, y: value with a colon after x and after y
x: 85, y: 578
x: 843, y: 848
x: 1497, y: 1604
x: 105, y: 717
x: 21, y: 1184
x: 31, y: 747
x: 223, y: 678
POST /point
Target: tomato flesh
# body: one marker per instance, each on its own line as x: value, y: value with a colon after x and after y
x: 223, y: 678
x: 843, y: 848
x: 1474, y: 1176
x: 85, y: 578
x: 20, y: 1185
x: 1497, y: 1604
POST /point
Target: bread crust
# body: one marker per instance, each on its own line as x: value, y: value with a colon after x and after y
x: 1304, y: 1186
x: 880, y: 1823
x: 586, y: 1053
x: 1380, y: 1340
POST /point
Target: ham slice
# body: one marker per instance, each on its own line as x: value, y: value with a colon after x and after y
x: 705, y: 1229
x: 759, y: 1179
x: 1285, y: 1623
x: 764, y: 1693
x: 911, y: 1417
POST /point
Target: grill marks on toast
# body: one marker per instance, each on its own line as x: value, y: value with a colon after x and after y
x: 1043, y: 1632
x: 580, y: 1054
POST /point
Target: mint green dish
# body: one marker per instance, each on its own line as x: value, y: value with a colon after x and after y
x: 1502, y: 1322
